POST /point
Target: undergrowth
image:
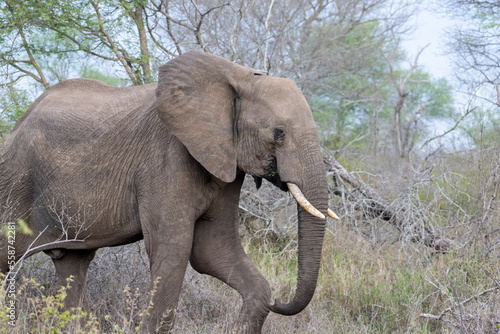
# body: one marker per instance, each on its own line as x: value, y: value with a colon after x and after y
x: 361, y: 288
x: 371, y: 280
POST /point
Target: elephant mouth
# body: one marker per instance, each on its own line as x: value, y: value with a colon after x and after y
x: 275, y: 179
x: 272, y: 175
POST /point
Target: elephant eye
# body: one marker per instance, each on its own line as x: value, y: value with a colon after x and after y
x: 279, y: 134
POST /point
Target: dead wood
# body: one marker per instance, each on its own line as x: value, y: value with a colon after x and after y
x: 373, y: 205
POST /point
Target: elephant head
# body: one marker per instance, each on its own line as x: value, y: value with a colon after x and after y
x: 232, y: 118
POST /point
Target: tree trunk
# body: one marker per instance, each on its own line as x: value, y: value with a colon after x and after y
x: 143, y: 42
x: 375, y: 130
x: 397, y: 124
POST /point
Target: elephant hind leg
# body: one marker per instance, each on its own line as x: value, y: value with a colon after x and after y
x: 4, y: 265
x: 4, y: 257
x: 14, y: 245
x: 217, y: 251
x: 72, y: 262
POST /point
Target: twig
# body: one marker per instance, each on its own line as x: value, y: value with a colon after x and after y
x: 450, y: 130
x: 449, y: 309
x: 12, y: 274
x: 120, y: 57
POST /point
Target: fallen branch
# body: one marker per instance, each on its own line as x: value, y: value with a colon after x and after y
x: 373, y: 205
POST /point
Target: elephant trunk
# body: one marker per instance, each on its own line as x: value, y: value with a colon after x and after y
x: 311, y: 230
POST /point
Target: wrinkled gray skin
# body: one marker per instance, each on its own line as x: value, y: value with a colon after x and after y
x: 165, y: 163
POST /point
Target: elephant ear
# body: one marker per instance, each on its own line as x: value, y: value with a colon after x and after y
x: 196, y: 100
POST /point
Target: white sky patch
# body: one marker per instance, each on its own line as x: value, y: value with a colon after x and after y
x: 431, y: 29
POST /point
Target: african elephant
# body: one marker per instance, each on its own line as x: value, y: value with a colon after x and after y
x: 90, y: 165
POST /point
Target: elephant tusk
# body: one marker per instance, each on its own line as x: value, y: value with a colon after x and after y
x: 332, y: 214
x: 302, y: 200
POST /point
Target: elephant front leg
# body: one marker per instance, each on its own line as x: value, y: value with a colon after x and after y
x: 168, y: 261
x: 217, y: 252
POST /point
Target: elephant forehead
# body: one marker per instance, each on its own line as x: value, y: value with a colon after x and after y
x: 286, y: 100
x: 282, y: 93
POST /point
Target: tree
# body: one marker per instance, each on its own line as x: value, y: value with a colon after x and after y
x: 475, y: 46
x: 344, y: 98
x: 137, y: 35
x: 97, y: 29
x: 418, y: 97
x: 377, y: 97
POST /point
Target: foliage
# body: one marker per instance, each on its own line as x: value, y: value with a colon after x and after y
x: 349, y: 108
x: 40, y: 309
x: 343, y: 99
x: 429, y: 101
x: 14, y: 103
x: 103, y: 30
x: 482, y: 129
x: 44, y: 313
x: 92, y: 73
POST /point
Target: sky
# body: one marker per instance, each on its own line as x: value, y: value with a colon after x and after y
x: 431, y: 29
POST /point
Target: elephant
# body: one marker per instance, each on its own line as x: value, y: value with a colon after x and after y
x: 89, y: 165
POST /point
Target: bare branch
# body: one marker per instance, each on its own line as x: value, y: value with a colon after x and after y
x: 33, y: 62
x: 268, y: 33
x: 112, y: 44
x: 450, y: 309
x: 450, y: 130
x: 26, y: 72
x: 81, y: 46
x: 158, y: 43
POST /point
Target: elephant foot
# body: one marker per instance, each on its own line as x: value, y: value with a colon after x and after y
x: 251, y: 318
x: 247, y: 328
x: 160, y: 323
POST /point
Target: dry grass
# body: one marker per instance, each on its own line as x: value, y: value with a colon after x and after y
x: 362, y: 288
